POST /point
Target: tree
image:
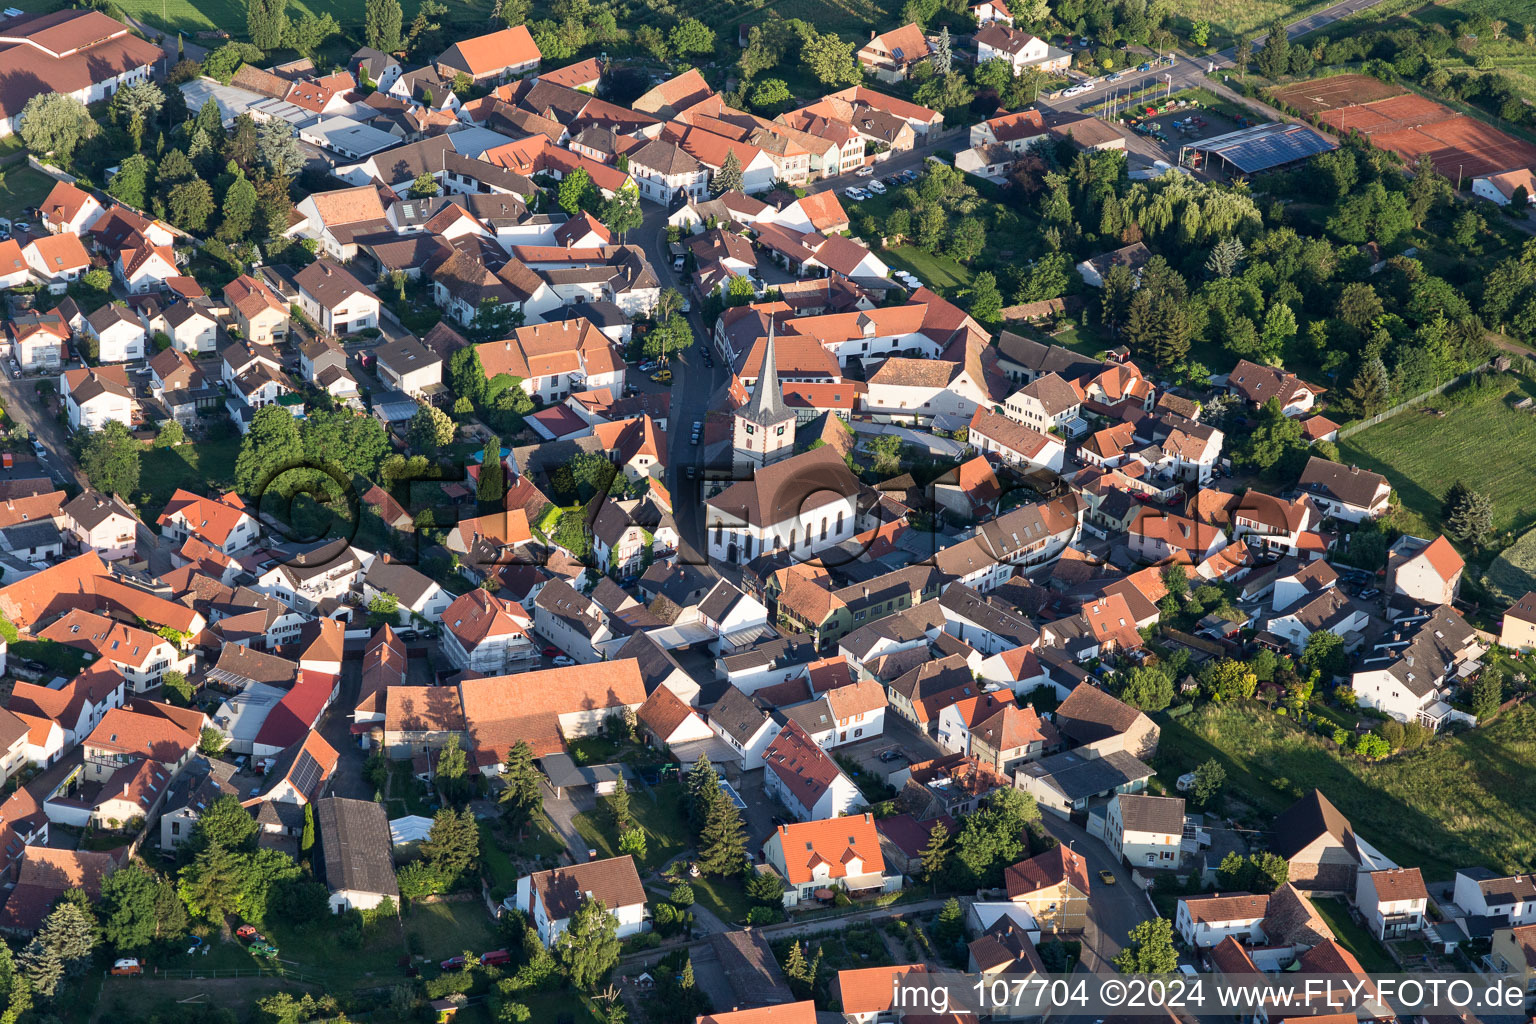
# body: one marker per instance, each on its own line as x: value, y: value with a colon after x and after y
x: 1470, y: 518
x: 190, y: 204
x: 1372, y: 747
x: 15, y: 991
x: 1176, y: 580
x: 589, y: 946
x: 1200, y: 33
x: 703, y: 789
x: 269, y: 446
x: 277, y: 148
x: 381, y: 25
x: 139, y: 908
x: 801, y: 977
x: 431, y: 428
x: 935, y: 853
x: 1225, y: 257
x: 770, y: 94
x: 1150, y: 949
x: 652, y: 40
x: 177, y: 688
x: 618, y: 807
x: 986, y: 301
x: 224, y: 823
x: 453, y: 844
x: 169, y: 434
x: 574, y: 190
x: 992, y: 838
x: 466, y: 376
x: 1487, y: 694
x: 950, y: 927
x: 136, y: 105
x: 691, y: 36
x: 513, y: 12
x: 1147, y: 687
x: 56, y: 123
x: 266, y: 23
x: 424, y: 187
x: 632, y: 841
x: 765, y: 888
x: 307, y: 837
x: 130, y: 185
x: 211, y: 741
x: 967, y: 239
x: 886, y: 450
x: 491, y: 487
x: 723, y: 840
x: 110, y: 459
x: 522, y: 795
x: 1275, y: 58
x: 1208, y: 781
x: 1230, y: 679
x: 943, y: 55
x: 1242, y: 53
x: 311, y: 31
x: 355, y: 445
x: 728, y: 177
x: 239, y: 209
x: 621, y: 214
x: 1371, y: 390
x: 830, y: 59
x: 1427, y: 189
x: 1325, y: 654
x: 62, y: 948
x: 452, y: 766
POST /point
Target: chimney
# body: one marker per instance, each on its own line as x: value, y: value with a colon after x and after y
x: 871, y: 35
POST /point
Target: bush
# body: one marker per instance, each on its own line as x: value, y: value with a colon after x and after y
x: 760, y: 915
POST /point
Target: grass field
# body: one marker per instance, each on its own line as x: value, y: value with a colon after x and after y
x: 942, y: 274
x: 659, y: 815
x: 442, y: 929
x: 1513, y: 573
x: 1354, y: 937
x: 1460, y: 801
x: 1476, y: 443
x: 22, y: 187
x: 197, y: 467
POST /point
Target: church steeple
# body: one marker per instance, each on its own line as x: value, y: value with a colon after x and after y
x: 764, y: 428
x: 766, y: 406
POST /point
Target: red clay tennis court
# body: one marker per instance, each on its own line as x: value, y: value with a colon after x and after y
x: 1412, y: 126
x: 1336, y: 91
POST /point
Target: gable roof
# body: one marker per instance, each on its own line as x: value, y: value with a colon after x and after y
x: 1308, y: 819
x: 614, y: 881
x: 1048, y: 870
x: 356, y: 846
x: 804, y: 768
x: 831, y: 842
x: 492, y: 52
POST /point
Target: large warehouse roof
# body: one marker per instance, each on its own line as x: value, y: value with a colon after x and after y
x: 1264, y: 146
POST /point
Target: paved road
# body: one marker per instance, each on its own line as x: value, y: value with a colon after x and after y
x: 1114, y: 909
x: 26, y: 410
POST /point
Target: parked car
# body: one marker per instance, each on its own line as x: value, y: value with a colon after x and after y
x: 1368, y: 593
x: 564, y: 661
x: 856, y: 195
x: 877, y: 187
x: 453, y: 963
x: 865, y: 171
x: 552, y: 652
x: 127, y: 966
x: 1107, y: 877
x: 677, y: 263
x: 495, y: 958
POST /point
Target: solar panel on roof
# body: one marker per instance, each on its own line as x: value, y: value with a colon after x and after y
x: 306, y: 773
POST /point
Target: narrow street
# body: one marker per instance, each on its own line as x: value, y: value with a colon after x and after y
x: 26, y: 410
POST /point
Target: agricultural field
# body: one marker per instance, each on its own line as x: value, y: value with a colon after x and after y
x: 1422, y: 454
x: 1459, y: 801
x: 1335, y: 91
x: 1228, y: 19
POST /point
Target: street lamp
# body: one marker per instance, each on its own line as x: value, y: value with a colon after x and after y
x: 1169, y: 91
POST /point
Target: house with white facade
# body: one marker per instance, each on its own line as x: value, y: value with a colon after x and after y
x: 334, y: 300
x: 487, y: 634
x: 551, y: 898
x: 96, y: 396
x: 804, y: 505
x: 1145, y: 831
x: 841, y: 853
x: 802, y: 777
x: 1205, y: 921
x: 1392, y: 901
x: 118, y: 332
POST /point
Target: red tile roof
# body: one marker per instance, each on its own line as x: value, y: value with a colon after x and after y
x: 833, y: 843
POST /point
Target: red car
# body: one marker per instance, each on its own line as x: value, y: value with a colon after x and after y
x: 495, y: 958
x: 453, y: 963
x: 552, y: 652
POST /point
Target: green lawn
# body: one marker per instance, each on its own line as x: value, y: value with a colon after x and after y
x: 1353, y: 936
x: 440, y: 930
x: 197, y: 467
x: 22, y: 187
x: 725, y: 897
x: 502, y: 854
x: 1460, y: 801
x: 937, y: 272
x: 659, y: 815
x: 1477, y: 443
